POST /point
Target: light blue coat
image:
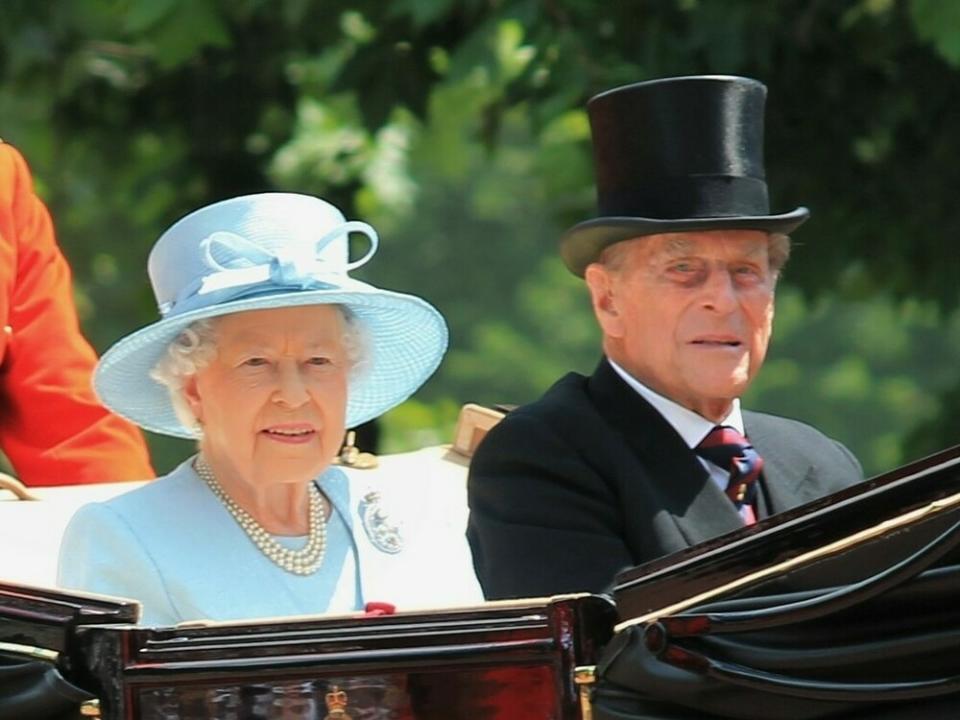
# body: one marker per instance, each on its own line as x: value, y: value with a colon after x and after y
x: 172, y: 546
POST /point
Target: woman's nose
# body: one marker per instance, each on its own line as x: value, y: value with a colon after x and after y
x: 291, y: 388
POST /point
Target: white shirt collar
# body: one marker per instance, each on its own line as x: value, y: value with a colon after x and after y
x: 693, y: 428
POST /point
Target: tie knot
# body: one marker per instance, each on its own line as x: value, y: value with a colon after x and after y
x: 728, y: 449
x: 722, y: 440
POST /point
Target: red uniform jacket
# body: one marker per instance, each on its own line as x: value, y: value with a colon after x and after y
x: 52, y: 429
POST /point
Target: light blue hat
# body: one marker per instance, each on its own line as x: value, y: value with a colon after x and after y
x: 271, y: 250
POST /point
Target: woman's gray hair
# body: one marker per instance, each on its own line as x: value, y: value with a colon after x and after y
x: 196, y: 345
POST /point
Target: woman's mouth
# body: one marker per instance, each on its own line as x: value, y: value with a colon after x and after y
x: 292, y: 434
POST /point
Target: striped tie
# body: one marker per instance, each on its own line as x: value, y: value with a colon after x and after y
x: 728, y: 449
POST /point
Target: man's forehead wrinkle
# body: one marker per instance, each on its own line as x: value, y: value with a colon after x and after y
x: 757, y: 249
x: 679, y: 245
x: 686, y: 245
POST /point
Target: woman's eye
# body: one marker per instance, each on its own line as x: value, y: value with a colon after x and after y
x: 320, y: 360
x: 255, y: 362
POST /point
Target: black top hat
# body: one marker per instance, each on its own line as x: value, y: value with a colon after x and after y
x: 673, y: 155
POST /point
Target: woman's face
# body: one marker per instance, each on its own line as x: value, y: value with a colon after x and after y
x: 272, y: 401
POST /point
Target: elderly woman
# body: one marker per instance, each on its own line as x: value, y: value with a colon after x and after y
x: 266, y: 351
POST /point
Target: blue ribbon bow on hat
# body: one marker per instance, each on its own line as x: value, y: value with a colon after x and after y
x: 241, y: 268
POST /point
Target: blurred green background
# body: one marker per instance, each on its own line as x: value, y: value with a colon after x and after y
x: 457, y: 128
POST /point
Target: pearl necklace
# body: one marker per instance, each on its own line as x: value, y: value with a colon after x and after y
x: 304, y: 561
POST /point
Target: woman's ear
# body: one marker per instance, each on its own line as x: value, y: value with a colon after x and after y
x: 191, y: 393
x: 601, y: 282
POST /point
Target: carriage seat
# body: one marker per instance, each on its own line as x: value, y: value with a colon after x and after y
x: 30, y: 530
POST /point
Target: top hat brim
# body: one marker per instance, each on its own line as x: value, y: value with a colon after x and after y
x: 584, y: 242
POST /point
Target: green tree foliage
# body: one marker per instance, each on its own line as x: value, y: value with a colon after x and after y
x: 458, y: 129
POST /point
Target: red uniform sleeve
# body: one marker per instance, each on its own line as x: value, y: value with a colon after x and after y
x: 52, y: 428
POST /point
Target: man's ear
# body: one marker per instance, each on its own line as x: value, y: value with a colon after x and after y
x: 601, y: 283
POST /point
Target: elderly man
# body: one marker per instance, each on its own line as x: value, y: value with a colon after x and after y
x: 650, y: 454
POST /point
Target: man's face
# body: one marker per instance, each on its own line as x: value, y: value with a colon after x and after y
x: 688, y: 314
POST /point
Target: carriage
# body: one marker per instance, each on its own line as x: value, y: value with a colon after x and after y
x: 846, y: 607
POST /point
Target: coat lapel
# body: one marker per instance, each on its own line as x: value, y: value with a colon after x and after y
x: 786, y: 481
x: 372, y: 566
x: 382, y: 574
x: 698, y: 508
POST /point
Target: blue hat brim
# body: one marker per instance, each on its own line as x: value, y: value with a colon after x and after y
x: 406, y: 338
x: 583, y: 243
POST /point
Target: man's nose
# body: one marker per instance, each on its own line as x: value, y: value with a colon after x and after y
x: 719, y: 291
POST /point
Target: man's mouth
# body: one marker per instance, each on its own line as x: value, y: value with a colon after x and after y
x: 717, y: 342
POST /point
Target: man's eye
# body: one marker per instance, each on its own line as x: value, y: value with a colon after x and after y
x: 746, y: 271
x: 686, y: 270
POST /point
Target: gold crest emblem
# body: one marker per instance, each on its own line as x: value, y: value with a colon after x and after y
x: 336, y: 701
